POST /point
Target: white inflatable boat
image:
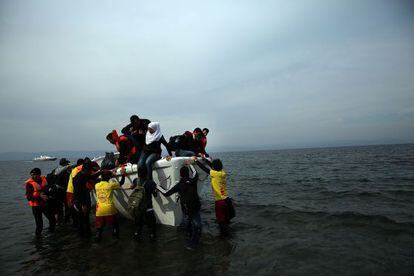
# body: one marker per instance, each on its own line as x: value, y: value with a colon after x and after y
x: 165, y: 174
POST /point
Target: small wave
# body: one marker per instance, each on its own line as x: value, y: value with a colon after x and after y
x: 351, y: 193
x: 401, y: 192
x: 347, y: 217
x: 364, y: 180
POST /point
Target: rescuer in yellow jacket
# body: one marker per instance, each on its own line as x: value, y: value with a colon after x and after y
x: 69, y: 192
x: 106, y: 212
x: 219, y: 187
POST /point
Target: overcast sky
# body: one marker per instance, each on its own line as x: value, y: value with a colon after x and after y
x: 257, y: 73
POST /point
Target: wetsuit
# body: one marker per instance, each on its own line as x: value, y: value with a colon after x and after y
x: 190, y: 204
x: 82, y: 200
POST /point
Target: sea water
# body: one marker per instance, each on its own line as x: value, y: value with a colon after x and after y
x: 300, y: 212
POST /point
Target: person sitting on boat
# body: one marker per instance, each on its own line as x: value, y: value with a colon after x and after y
x: 125, y: 147
x: 152, y: 149
x: 190, y: 144
x: 136, y: 131
x: 145, y: 213
x: 106, y: 212
x: 37, y: 200
x: 219, y: 187
x: 190, y: 204
x: 204, y: 139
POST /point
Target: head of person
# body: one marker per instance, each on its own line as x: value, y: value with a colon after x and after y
x: 80, y: 162
x: 184, y: 172
x: 135, y: 121
x: 197, y: 133
x: 153, y: 127
x: 205, y: 131
x: 95, y: 166
x: 87, y: 166
x: 216, y: 165
x: 106, y: 175
x: 64, y: 162
x: 142, y: 172
x: 110, y: 138
x: 154, y: 133
x: 35, y: 174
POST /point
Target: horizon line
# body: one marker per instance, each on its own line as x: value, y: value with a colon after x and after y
x: 230, y: 149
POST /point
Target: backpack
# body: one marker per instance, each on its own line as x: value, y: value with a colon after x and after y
x: 51, y: 190
x: 136, y: 201
x: 108, y: 162
x: 51, y: 178
x: 175, y: 142
x: 62, y: 179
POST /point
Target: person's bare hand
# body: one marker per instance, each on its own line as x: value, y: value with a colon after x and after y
x: 44, y: 197
x: 123, y: 171
x: 168, y: 158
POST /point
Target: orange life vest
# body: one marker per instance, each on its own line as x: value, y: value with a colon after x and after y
x: 37, y: 189
x: 132, y: 148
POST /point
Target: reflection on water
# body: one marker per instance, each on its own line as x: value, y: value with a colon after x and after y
x: 65, y: 251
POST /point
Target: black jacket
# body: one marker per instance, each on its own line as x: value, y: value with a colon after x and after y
x: 137, y: 134
x: 155, y: 147
x: 81, y: 193
x: 187, y: 189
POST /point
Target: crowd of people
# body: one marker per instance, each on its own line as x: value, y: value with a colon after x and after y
x: 64, y: 195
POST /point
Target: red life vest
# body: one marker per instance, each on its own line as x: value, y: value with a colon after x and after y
x: 36, y: 191
x: 132, y: 149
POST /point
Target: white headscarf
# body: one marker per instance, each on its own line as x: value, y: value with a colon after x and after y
x: 156, y: 136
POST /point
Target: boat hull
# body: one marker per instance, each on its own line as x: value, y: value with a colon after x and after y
x: 165, y: 174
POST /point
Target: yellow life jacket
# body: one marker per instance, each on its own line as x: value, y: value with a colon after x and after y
x: 105, y: 198
x: 219, y: 184
x: 73, y: 173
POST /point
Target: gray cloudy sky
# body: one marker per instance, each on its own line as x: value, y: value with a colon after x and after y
x: 257, y: 73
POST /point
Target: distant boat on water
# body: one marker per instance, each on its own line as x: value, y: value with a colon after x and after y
x: 44, y: 158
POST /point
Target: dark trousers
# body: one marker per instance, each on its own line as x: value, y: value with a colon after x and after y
x: 37, y: 213
x: 193, y: 228
x: 147, y: 218
x: 84, y: 226
x: 61, y: 206
x: 148, y: 159
x: 71, y: 213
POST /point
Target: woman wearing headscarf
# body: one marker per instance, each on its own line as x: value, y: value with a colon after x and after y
x: 152, y: 148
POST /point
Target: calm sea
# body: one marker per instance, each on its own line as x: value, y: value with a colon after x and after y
x: 346, y: 211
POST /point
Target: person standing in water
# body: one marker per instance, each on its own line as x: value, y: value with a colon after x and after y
x: 145, y: 212
x: 82, y: 198
x: 190, y: 204
x: 219, y: 187
x: 37, y: 200
x: 106, y: 212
